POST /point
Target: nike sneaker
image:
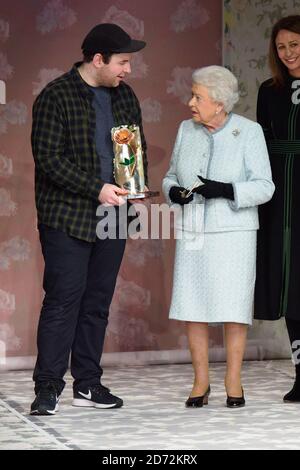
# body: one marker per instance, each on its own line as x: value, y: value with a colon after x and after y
x: 46, y: 400
x: 96, y: 396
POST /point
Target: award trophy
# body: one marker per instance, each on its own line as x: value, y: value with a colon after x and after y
x: 128, y: 161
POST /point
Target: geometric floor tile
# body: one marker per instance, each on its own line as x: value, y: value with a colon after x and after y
x: 154, y: 416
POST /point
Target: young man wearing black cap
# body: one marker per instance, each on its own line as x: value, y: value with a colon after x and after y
x: 73, y: 153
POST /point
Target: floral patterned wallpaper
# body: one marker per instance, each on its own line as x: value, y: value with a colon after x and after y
x: 247, y: 26
x: 39, y: 40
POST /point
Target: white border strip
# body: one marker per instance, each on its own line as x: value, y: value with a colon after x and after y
x: 35, y: 427
x: 255, y: 351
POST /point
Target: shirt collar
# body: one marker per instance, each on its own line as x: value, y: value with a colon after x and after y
x: 79, y: 82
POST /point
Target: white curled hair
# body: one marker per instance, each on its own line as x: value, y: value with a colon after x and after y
x: 221, y: 84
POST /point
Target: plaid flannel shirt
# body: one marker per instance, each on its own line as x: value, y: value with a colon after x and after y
x: 67, y: 167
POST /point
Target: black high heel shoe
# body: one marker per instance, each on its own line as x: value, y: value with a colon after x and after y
x: 198, y: 402
x: 236, y: 402
x: 294, y: 395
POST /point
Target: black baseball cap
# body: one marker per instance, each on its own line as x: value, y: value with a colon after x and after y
x: 109, y: 38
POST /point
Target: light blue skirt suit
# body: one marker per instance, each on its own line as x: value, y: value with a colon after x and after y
x: 215, y: 260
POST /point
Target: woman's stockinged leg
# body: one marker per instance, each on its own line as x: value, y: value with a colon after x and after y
x: 235, y: 340
x: 198, y: 344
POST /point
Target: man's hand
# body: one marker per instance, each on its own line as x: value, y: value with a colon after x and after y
x: 111, y: 195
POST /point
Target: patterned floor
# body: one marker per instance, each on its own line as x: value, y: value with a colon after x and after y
x: 154, y: 416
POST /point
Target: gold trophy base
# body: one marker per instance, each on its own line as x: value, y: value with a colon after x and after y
x: 143, y: 195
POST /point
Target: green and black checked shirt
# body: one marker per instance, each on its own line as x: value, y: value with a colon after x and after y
x: 67, y: 167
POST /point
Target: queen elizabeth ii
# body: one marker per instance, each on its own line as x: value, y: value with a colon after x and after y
x: 227, y: 155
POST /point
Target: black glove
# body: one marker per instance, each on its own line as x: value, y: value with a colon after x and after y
x: 212, y: 189
x: 176, y: 196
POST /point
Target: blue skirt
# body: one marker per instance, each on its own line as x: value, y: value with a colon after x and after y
x: 214, y: 277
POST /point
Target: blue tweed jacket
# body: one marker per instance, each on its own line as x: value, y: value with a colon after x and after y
x: 237, y: 154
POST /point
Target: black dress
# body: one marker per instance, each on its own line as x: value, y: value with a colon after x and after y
x: 277, y: 291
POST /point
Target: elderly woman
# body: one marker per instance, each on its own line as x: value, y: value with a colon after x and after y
x: 227, y: 155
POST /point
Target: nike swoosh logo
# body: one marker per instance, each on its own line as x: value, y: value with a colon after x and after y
x: 88, y: 396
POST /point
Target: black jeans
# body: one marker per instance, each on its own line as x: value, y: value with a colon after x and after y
x: 79, y: 282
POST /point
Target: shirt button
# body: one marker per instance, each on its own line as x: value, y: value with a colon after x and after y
x: 204, y: 155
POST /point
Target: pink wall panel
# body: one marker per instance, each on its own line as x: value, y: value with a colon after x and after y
x: 40, y: 39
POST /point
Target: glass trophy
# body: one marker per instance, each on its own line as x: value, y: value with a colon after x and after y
x: 128, y: 161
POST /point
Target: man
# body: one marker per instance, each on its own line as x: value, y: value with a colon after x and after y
x: 73, y: 153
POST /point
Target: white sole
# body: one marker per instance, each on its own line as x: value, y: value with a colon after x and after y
x: 46, y: 412
x: 91, y: 404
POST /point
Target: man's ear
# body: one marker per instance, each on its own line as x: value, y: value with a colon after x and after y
x: 98, y: 60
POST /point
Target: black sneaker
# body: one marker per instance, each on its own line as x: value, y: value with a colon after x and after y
x: 96, y: 396
x: 46, y: 400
